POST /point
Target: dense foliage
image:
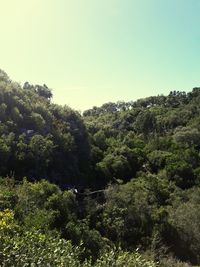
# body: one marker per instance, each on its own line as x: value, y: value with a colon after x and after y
x: 135, y: 167
x: 39, y: 139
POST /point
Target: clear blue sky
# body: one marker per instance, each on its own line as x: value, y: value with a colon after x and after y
x: 94, y: 51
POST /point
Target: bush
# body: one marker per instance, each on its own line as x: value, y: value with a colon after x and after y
x: 119, y: 258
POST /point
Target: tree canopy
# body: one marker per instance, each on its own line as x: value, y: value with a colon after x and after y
x: 101, y: 185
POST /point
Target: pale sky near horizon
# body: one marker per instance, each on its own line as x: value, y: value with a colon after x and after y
x: 94, y: 51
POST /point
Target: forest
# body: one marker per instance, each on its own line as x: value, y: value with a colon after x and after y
x: 117, y: 185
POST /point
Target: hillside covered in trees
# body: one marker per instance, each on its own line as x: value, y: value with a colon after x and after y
x: 115, y: 186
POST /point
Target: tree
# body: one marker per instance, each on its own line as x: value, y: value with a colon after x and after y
x: 43, y: 91
x: 41, y: 149
x: 187, y: 135
x: 145, y: 122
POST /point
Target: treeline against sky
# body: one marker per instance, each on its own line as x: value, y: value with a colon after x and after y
x: 143, y: 155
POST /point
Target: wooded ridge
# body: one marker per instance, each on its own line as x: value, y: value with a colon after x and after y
x: 116, y: 178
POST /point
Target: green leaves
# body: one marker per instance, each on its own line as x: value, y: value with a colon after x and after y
x: 36, y: 249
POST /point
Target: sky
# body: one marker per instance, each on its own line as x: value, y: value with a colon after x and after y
x: 94, y: 51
